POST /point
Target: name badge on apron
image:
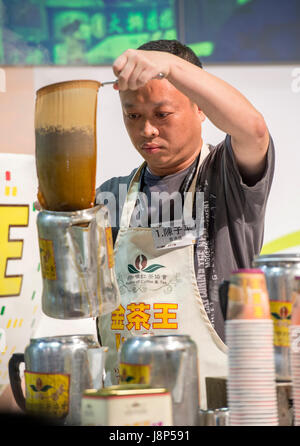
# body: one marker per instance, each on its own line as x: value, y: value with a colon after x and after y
x: 166, y: 237
x: 187, y: 232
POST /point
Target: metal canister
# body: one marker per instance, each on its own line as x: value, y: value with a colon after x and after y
x: 57, y: 371
x: 126, y: 405
x: 209, y: 418
x: 222, y: 416
x: 77, y: 263
x: 168, y: 361
x: 280, y: 270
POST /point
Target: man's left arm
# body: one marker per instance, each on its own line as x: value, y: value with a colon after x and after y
x: 230, y: 111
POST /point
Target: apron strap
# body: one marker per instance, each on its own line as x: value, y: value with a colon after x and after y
x: 131, y: 197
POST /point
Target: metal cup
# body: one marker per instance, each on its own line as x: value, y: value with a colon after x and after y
x: 77, y: 263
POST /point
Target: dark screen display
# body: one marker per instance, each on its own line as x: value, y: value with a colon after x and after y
x: 95, y: 32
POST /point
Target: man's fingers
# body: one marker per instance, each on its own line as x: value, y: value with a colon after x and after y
x: 119, y: 64
x: 138, y: 78
x: 126, y: 74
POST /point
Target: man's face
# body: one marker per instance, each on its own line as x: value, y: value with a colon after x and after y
x: 164, y: 126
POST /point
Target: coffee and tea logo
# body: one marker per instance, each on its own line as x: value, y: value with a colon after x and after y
x: 283, y: 314
x: 141, y: 266
x: 39, y: 387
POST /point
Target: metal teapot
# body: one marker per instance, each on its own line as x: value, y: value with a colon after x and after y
x: 57, y: 371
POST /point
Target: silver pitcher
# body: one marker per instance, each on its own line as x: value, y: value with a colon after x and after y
x: 77, y: 263
x: 172, y: 364
x: 57, y: 371
x: 280, y: 270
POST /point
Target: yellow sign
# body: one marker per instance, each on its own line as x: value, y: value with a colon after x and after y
x: 11, y: 249
x: 47, y: 259
x: 281, y: 315
x: 134, y: 373
x: 47, y: 393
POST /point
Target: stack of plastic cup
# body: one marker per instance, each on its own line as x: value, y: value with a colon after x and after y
x: 251, y: 383
x: 295, y: 349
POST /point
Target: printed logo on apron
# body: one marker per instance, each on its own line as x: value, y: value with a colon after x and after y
x: 142, y: 276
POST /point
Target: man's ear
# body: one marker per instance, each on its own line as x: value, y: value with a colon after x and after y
x: 201, y: 114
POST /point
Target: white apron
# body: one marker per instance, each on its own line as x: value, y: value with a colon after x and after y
x: 159, y: 296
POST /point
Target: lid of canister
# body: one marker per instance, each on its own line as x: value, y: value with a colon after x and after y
x: 123, y: 390
x: 269, y: 258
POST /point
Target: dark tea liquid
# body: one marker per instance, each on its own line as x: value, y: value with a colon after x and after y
x: 66, y: 168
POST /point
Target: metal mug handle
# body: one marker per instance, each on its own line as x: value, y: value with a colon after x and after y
x: 15, y: 380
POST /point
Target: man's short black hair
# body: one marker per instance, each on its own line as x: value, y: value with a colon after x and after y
x: 174, y: 47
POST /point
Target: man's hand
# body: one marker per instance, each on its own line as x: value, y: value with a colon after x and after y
x: 134, y: 68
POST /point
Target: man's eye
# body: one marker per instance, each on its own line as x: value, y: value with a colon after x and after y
x: 162, y: 114
x: 132, y: 116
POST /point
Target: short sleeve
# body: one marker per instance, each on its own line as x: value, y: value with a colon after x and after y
x: 250, y: 199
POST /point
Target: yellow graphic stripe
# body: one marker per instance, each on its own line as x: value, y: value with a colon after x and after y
x: 286, y: 241
x: 15, y: 323
x: 14, y: 191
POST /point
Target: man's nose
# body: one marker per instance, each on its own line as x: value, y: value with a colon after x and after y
x: 149, y: 130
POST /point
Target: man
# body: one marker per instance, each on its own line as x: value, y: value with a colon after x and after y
x: 174, y: 290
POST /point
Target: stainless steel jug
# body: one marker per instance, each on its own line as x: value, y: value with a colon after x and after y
x: 57, y: 371
x: 169, y: 362
x: 77, y: 263
x: 216, y: 417
x: 280, y: 270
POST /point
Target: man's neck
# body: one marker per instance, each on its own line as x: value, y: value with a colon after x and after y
x: 170, y: 170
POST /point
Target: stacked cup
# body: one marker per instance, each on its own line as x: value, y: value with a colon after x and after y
x: 295, y: 349
x: 251, y: 386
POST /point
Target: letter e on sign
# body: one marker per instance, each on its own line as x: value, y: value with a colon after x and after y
x: 11, y: 249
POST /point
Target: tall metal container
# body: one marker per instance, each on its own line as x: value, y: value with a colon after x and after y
x: 169, y: 362
x: 280, y: 270
x: 57, y: 371
x: 77, y: 263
